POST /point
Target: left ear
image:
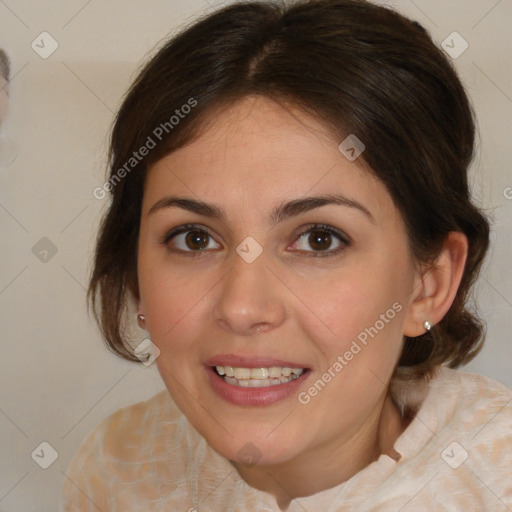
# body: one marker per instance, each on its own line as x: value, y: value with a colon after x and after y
x: 435, y: 289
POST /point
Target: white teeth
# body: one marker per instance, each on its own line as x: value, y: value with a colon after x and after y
x: 242, y: 373
x: 259, y: 383
x: 259, y: 373
x: 273, y: 372
x: 258, y: 377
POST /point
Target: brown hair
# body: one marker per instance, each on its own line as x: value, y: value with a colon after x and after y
x: 4, y: 65
x: 361, y: 69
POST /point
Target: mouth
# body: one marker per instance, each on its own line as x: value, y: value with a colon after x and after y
x: 254, y: 381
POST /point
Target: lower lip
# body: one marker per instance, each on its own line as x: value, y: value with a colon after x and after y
x: 254, y: 396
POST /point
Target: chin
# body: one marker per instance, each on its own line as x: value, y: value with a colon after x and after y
x: 245, y: 448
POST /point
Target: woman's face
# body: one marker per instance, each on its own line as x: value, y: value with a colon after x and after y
x: 254, y: 284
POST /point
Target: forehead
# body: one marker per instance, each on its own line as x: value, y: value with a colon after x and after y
x: 261, y: 152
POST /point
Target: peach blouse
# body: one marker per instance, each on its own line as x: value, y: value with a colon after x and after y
x: 456, y: 455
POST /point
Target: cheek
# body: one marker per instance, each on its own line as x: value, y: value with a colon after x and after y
x: 174, y: 301
x: 349, y: 301
x: 358, y: 313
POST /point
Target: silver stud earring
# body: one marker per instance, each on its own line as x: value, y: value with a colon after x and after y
x: 427, y: 325
x: 141, y: 319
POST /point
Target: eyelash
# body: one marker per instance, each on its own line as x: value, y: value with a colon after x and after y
x: 344, y: 239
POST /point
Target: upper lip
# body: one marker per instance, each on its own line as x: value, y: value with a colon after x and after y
x: 238, y: 361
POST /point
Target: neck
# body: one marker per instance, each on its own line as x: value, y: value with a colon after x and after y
x: 331, y: 464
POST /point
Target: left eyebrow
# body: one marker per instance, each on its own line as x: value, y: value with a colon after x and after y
x: 280, y: 213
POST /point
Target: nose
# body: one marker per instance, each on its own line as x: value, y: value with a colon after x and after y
x: 251, y: 298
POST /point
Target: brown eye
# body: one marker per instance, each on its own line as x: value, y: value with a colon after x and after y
x: 189, y: 238
x: 320, y: 239
x: 196, y: 240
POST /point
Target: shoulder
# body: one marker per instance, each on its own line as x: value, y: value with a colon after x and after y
x: 484, y: 410
x: 484, y: 385
x: 118, y: 447
x: 457, y: 451
x: 473, y: 445
x: 125, y: 434
x: 478, y: 396
x: 473, y: 405
x: 458, y: 400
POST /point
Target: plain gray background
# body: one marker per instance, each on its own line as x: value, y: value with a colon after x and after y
x: 57, y: 380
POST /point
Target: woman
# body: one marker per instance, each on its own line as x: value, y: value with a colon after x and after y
x: 291, y: 218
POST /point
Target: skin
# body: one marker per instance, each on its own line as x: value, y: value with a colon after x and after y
x: 288, y: 305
